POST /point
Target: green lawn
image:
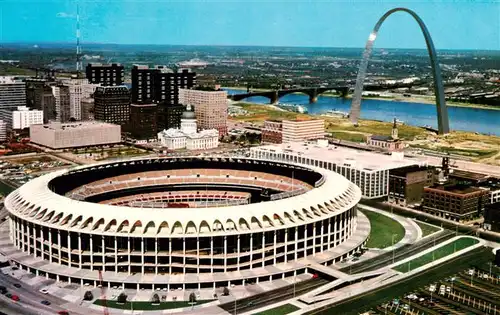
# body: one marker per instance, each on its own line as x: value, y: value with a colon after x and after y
x: 382, y: 229
x: 427, y: 229
x: 280, y: 310
x: 148, y: 306
x: 354, y: 137
x: 436, y: 254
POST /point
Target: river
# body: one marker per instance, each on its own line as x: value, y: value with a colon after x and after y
x: 485, y: 121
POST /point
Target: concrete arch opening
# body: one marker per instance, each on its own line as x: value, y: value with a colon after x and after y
x: 442, y: 111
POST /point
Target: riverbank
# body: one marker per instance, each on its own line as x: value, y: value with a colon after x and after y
x: 430, y: 100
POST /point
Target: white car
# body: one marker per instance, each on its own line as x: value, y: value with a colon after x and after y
x: 44, y: 291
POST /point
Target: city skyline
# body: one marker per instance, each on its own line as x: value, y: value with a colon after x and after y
x: 238, y: 23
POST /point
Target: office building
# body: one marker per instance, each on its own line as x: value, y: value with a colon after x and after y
x: 302, y: 130
x: 62, y: 109
x: 112, y: 104
x: 78, y: 89
x: 143, y: 124
x: 368, y: 170
x: 105, y: 74
x: 21, y: 118
x: 87, y: 109
x: 39, y: 95
x: 77, y: 134
x: 187, y: 136
x: 3, y: 131
x: 272, y: 132
x: 455, y: 202
x: 406, y: 184
x: 210, y: 108
x: 492, y: 217
x: 12, y: 93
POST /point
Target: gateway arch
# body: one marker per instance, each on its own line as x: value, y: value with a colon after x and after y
x: 442, y: 111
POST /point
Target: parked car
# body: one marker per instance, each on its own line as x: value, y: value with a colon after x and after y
x: 17, y: 285
x: 44, y: 291
x: 15, y: 298
x: 45, y: 302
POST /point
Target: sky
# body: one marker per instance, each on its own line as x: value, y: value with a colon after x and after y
x: 472, y: 24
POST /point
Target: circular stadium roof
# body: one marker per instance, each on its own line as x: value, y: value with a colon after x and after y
x: 36, y: 201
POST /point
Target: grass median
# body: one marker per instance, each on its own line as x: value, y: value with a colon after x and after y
x: 148, y: 306
x: 436, y: 254
x: 426, y: 228
x: 280, y: 310
x: 382, y: 230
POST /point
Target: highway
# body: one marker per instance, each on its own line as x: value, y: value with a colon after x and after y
x: 270, y: 297
x: 399, y: 254
x: 370, y: 299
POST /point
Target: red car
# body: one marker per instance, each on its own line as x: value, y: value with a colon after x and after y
x: 63, y: 313
x: 315, y: 276
x: 15, y: 298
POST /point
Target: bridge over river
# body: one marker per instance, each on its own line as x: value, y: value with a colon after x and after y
x: 275, y: 95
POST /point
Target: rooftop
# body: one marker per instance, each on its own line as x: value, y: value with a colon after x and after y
x: 383, y: 138
x: 457, y: 189
x: 402, y: 171
x: 358, y: 159
x: 461, y: 174
x: 79, y: 125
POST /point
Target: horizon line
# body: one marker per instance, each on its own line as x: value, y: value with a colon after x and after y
x: 230, y: 45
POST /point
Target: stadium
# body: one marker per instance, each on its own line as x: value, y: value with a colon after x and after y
x: 191, y: 222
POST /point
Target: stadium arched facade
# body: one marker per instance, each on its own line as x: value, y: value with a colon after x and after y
x: 190, y: 222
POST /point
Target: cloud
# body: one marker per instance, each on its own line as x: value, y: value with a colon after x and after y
x: 64, y: 15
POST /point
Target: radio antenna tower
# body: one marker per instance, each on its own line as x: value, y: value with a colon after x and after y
x: 79, y: 66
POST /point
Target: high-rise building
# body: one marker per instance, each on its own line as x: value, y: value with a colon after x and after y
x: 112, y: 104
x: 272, y: 132
x: 78, y: 90
x: 39, y: 95
x: 62, y: 112
x: 87, y: 109
x: 12, y: 93
x: 169, y: 116
x: 105, y: 74
x: 143, y: 124
x: 143, y: 83
x: 210, y: 108
x: 167, y: 83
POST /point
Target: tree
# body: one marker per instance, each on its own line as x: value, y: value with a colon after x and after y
x: 225, y: 291
x: 88, y: 296
x: 155, y: 299
x: 122, y: 298
x: 192, y: 297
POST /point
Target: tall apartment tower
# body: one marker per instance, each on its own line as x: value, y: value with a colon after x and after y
x: 112, y: 104
x: 167, y: 85
x: 210, y: 108
x: 12, y: 93
x: 105, y: 74
x: 62, y: 111
x: 79, y: 89
x: 160, y: 85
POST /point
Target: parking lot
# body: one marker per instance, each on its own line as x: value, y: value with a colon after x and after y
x: 474, y: 290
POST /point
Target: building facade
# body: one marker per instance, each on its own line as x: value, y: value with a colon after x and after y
x: 21, y: 118
x: 389, y: 143
x: 74, y: 135
x: 12, y: 93
x: 302, y: 130
x: 492, y: 217
x: 62, y: 108
x: 455, y: 202
x: 187, y: 137
x: 368, y: 170
x: 87, y: 109
x: 143, y: 124
x: 112, y: 104
x: 406, y: 185
x: 40, y: 95
x: 210, y: 108
x: 272, y: 132
x: 3, y: 131
x: 105, y: 74
x: 79, y: 89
